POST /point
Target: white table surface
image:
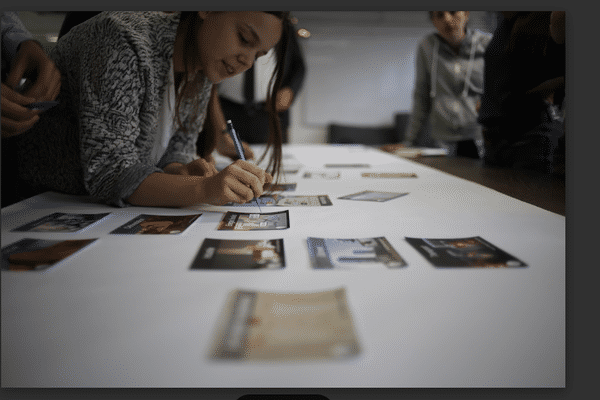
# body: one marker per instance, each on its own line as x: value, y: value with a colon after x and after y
x: 129, y: 312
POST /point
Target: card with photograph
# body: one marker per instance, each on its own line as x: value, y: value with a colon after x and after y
x: 464, y: 252
x: 370, y: 195
x: 61, y: 222
x: 145, y: 224
x: 236, y: 221
x: 287, y: 201
x: 388, y: 175
x: 37, y: 254
x: 285, y: 326
x: 240, y: 254
x: 353, y: 253
x: 321, y: 175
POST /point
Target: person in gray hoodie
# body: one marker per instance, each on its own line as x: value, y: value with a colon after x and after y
x: 448, y: 86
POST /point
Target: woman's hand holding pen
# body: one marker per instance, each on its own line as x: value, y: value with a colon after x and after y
x: 239, y: 182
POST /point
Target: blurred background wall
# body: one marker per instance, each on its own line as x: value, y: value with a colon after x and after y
x: 360, y: 64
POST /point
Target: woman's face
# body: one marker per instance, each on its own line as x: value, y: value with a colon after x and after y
x: 230, y: 42
x: 451, y: 25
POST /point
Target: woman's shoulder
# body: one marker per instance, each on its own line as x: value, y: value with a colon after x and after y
x: 135, y: 22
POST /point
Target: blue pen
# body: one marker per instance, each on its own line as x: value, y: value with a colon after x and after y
x: 238, y: 148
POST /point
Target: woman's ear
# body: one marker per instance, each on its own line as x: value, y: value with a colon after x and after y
x: 203, y: 14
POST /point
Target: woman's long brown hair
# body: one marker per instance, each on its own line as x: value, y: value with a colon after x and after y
x: 191, y: 84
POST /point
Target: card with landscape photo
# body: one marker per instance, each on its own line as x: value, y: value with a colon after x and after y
x: 260, y: 326
x: 36, y: 254
x: 237, y: 221
x: 464, y: 252
x: 353, y: 253
x: 370, y: 195
x: 240, y: 254
x: 61, y: 222
x: 145, y: 224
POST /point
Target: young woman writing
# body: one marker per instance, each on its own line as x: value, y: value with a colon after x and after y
x: 135, y: 91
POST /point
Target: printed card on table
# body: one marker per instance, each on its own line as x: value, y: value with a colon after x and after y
x: 369, y: 195
x: 145, y: 224
x: 287, y: 201
x: 240, y: 254
x: 353, y: 253
x: 464, y: 252
x: 285, y: 326
x: 36, y: 254
x: 61, y: 222
x: 321, y: 175
x: 388, y: 175
x: 236, y: 221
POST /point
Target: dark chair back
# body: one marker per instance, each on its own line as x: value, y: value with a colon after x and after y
x: 369, y: 135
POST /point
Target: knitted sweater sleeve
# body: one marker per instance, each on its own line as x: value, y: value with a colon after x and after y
x: 113, y: 88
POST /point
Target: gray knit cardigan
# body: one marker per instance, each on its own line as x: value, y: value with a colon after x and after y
x: 99, y: 140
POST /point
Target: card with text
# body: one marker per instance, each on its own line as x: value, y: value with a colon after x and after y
x: 353, y: 253
x: 237, y: 221
x: 464, y: 252
x: 369, y: 195
x: 61, y: 222
x: 240, y: 254
x: 145, y: 224
x: 36, y: 254
x: 285, y: 326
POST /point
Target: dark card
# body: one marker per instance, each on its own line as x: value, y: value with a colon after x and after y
x: 35, y: 254
x: 464, y: 252
x: 61, y: 222
x: 145, y: 224
x: 240, y: 254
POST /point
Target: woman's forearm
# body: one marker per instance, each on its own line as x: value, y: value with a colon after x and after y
x: 166, y: 190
